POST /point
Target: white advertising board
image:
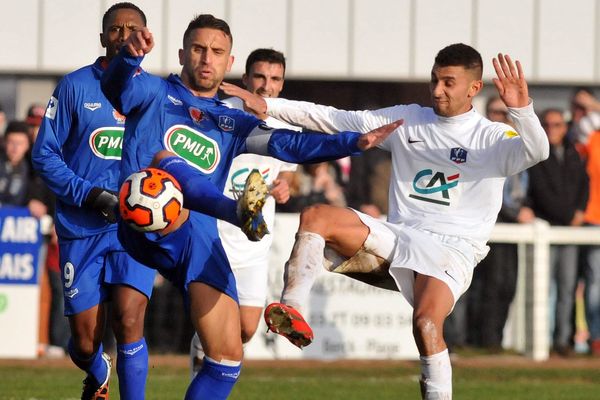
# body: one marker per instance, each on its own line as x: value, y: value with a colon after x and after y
x: 350, y: 319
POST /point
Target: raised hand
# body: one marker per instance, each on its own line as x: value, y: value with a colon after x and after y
x: 511, y: 83
x: 377, y: 136
x: 140, y: 42
x: 253, y: 103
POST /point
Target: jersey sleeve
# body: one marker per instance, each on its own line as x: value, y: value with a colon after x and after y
x: 524, y: 146
x: 47, y: 157
x: 316, y: 117
x: 127, y: 86
x: 301, y: 147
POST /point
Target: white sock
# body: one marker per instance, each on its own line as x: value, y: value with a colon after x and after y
x: 302, y: 269
x: 436, y: 376
x: 196, y: 356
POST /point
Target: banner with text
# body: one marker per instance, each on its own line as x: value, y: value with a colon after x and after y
x: 20, y: 251
x: 350, y: 319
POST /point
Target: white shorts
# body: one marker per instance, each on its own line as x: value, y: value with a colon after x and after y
x: 447, y: 258
x: 251, y: 283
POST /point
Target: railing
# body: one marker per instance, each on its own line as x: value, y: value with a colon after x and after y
x: 529, y: 319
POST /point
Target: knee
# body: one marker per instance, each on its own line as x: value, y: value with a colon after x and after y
x: 313, y: 214
x: 159, y: 156
x: 128, y: 323
x: 426, y: 329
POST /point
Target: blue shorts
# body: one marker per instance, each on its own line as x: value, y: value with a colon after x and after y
x: 89, y: 265
x: 192, y: 253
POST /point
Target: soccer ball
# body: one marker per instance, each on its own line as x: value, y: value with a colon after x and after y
x: 150, y: 200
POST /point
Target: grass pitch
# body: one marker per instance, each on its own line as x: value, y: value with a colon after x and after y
x: 478, y: 377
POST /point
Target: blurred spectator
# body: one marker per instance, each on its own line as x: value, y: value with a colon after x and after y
x: 592, y: 255
x: 368, y: 186
x: 2, y: 123
x: 312, y: 184
x: 585, y: 115
x: 35, y: 114
x: 14, y: 166
x: 558, y: 193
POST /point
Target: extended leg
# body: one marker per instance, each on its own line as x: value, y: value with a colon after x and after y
x: 200, y: 194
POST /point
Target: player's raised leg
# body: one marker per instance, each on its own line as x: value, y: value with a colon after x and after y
x: 339, y: 228
x: 201, y: 195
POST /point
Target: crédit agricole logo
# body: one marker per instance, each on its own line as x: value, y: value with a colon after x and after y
x: 196, y: 148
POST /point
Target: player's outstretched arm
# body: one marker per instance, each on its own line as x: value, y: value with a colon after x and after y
x: 377, y: 136
x: 312, y: 147
x: 510, y: 81
x: 123, y: 92
x: 253, y: 103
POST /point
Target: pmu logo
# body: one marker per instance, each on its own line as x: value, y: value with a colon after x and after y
x: 430, y: 185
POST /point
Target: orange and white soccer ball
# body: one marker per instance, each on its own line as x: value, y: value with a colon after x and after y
x: 150, y: 200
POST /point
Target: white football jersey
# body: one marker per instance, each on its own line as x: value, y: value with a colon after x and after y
x: 447, y: 173
x: 240, y: 251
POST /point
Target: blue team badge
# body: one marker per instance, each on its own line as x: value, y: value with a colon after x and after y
x: 226, y: 123
x: 458, y: 155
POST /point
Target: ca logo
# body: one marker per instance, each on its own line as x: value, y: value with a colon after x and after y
x: 430, y: 184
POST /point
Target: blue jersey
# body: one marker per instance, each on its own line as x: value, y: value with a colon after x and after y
x: 79, y: 147
x: 165, y: 114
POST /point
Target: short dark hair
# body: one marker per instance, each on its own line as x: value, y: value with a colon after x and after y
x: 462, y: 55
x: 266, y: 55
x: 16, y: 127
x: 207, y: 21
x: 121, y: 6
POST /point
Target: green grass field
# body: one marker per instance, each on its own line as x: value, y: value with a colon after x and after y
x: 503, y: 377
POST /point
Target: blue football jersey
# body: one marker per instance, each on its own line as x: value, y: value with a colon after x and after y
x: 78, y: 147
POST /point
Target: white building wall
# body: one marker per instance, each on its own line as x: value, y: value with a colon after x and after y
x: 557, y: 41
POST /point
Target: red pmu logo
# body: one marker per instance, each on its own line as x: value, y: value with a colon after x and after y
x: 196, y: 114
x: 120, y: 118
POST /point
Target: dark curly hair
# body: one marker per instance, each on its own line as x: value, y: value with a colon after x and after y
x: 460, y: 54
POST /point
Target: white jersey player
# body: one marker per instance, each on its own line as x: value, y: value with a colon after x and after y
x: 265, y: 70
x: 448, y: 171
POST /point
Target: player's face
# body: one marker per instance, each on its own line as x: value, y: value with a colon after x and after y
x: 121, y: 23
x: 206, y: 58
x: 452, y: 90
x: 264, y: 79
x: 555, y: 126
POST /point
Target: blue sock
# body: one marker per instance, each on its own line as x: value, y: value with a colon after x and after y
x: 94, y: 366
x: 214, y: 381
x: 199, y: 193
x: 132, y: 368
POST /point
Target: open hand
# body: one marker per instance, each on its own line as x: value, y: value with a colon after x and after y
x: 377, y: 136
x: 510, y: 82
